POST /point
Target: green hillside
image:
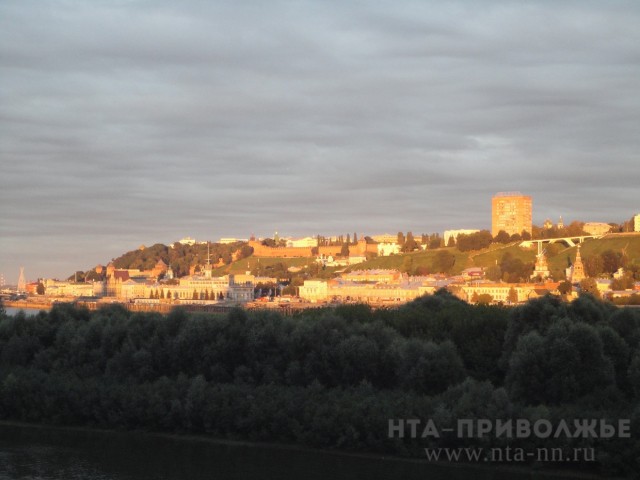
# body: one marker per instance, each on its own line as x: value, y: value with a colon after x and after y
x: 618, y: 243
x: 494, y: 254
x: 261, y: 265
x: 559, y: 256
x: 419, y: 260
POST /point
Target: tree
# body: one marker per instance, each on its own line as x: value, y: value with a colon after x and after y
x: 565, y: 287
x: 474, y: 241
x: 485, y: 299
x: 514, y: 269
x: 590, y: 286
x: 560, y: 366
x: 512, y: 296
x: 624, y: 283
x: 494, y: 273
x: 400, y: 240
x: 344, y: 250
x: 574, y: 229
x: 452, y: 241
x: 633, y: 374
x: 355, y: 238
x: 427, y: 368
x: 525, y: 235
x: 593, y: 265
x: 195, y: 295
x: 435, y: 241
x: 40, y: 288
x: 612, y: 261
x: 245, y: 251
x: 502, y: 237
x: 538, y: 232
x: 410, y: 244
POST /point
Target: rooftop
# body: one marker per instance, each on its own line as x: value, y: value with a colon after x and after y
x: 510, y: 194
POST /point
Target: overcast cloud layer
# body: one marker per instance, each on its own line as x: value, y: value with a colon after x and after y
x: 135, y: 122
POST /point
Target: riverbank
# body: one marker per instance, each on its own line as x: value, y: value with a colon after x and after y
x: 419, y: 467
x: 27, y: 305
x: 160, y: 307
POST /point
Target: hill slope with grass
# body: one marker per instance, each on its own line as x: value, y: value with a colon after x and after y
x: 448, y: 260
x: 559, y: 257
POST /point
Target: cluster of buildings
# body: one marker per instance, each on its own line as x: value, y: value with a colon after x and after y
x: 369, y: 286
x: 380, y: 287
x: 127, y: 284
x: 511, y: 213
x: 144, y: 286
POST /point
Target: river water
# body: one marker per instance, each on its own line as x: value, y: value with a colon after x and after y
x: 44, y: 453
x: 27, y: 311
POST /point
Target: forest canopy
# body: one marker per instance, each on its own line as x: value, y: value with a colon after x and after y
x: 329, y: 378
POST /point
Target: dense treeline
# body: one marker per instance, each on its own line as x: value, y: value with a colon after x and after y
x: 181, y: 257
x: 330, y: 377
x: 474, y: 241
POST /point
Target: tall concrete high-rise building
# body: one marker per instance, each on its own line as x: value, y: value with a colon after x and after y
x: 511, y: 212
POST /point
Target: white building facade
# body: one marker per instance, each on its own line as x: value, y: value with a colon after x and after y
x: 385, y: 249
x: 303, y: 242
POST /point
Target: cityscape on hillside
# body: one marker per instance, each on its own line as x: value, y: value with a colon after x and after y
x: 513, y: 262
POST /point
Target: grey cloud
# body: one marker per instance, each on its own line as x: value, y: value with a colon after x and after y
x: 136, y: 122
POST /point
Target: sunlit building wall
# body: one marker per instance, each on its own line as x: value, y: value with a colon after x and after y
x: 511, y: 212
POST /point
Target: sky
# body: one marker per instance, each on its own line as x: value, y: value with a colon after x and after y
x: 127, y: 122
